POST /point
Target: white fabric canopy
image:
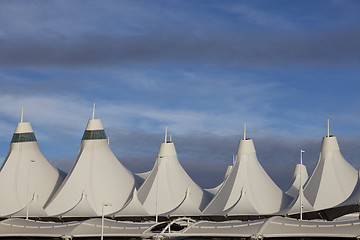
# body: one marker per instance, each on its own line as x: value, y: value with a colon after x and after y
x: 248, y: 190
x: 96, y: 178
x: 26, y: 173
x: 165, y: 187
x: 293, y: 190
x: 333, y: 179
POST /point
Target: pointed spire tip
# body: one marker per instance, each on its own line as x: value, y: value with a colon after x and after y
x: 328, y: 127
x: 244, y: 130
x: 93, y: 112
x: 22, y: 115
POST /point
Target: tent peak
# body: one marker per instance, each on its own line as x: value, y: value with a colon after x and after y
x: 94, y: 124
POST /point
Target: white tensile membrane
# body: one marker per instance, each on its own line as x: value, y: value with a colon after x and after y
x: 248, y: 190
x: 299, y: 179
x: 27, y: 178
x: 168, y: 190
x: 133, y: 208
x: 333, y: 179
x: 96, y: 179
x: 354, y: 198
x: 293, y: 190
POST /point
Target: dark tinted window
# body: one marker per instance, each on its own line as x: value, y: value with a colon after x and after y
x: 23, y: 137
x: 94, y: 134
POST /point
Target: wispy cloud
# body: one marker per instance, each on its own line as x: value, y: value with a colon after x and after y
x: 201, y: 68
x: 260, y: 17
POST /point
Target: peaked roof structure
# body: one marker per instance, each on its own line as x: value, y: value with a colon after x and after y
x: 294, y: 206
x: 35, y: 209
x: 214, y: 190
x: 166, y: 186
x: 333, y: 179
x: 26, y: 173
x: 299, y: 179
x: 354, y: 198
x: 300, y: 174
x: 248, y: 190
x: 350, y: 205
x: 187, y: 205
x: 132, y: 208
x: 97, y: 177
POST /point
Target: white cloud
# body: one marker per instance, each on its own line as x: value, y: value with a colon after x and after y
x: 262, y: 18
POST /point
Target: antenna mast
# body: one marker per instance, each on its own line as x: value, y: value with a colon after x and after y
x: 22, y: 114
x: 244, y: 130
x: 328, y: 128
x: 93, y: 113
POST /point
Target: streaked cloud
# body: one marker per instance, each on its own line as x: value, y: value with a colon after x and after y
x: 201, y: 68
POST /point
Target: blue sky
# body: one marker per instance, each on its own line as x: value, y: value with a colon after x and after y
x: 202, y: 68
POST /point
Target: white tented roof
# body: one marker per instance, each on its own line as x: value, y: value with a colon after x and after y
x: 300, y: 174
x: 354, y: 198
x: 166, y: 186
x: 248, y: 190
x: 214, y: 190
x: 294, y: 206
x: 299, y: 178
x: 187, y: 205
x: 26, y: 173
x: 35, y: 209
x: 96, y: 178
x: 333, y: 179
x: 132, y: 208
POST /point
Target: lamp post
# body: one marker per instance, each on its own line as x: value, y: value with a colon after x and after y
x: 301, y: 186
x: 28, y: 186
x: 102, y: 218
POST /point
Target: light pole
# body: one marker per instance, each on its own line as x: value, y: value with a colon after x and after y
x: 28, y: 186
x: 156, y: 198
x: 102, y: 218
x: 301, y: 186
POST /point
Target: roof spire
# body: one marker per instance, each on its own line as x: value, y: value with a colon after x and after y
x: 93, y: 113
x: 244, y: 130
x: 22, y: 114
x: 165, y: 134
x: 328, y: 128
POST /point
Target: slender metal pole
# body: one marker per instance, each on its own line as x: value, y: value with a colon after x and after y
x: 93, y: 113
x: 102, y: 221
x: 301, y: 186
x: 156, y: 201
x: 22, y: 114
x: 244, y: 130
x: 27, y: 192
x: 102, y: 218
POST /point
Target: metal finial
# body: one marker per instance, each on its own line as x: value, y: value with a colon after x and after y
x: 93, y: 113
x: 244, y: 130
x: 22, y: 114
x: 328, y: 128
